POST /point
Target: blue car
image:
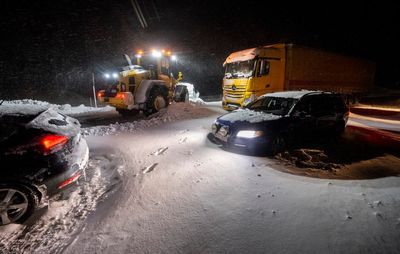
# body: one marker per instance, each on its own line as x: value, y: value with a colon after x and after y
x: 274, y: 120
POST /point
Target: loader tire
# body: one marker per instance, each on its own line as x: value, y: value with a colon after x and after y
x: 155, y: 102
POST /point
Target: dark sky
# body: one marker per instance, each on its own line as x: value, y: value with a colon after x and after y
x: 56, y: 45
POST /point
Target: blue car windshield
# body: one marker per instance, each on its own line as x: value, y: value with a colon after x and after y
x: 274, y: 105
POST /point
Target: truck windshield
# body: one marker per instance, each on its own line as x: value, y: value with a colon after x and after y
x: 274, y: 105
x: 239, y: 69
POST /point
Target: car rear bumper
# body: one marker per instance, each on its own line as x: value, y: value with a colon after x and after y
x: 75, y: 167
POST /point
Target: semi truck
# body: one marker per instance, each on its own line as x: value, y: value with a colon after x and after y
x: 256, y: 71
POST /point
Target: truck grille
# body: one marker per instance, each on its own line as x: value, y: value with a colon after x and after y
x: 234, y: 91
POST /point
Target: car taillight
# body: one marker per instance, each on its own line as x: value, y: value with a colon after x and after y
x: 70, y: 180
x: 120, y: 96
x: 52, y: 143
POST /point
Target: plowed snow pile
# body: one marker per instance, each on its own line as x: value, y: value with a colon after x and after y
x: 28, y: 106
x: 176, y: 111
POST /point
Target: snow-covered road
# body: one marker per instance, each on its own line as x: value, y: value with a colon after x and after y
x: 183, y: 194
x: 159, y: 185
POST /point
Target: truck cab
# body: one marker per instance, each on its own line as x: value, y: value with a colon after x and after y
x: 251, y: 73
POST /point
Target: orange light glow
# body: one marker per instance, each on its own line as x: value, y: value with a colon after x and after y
x: 169, y: 53
x: 120, y: 96
x: 140, y: 52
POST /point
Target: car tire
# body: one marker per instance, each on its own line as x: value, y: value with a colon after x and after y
x: 277, y: 145
x: 155, y: 102
x: 17, y: 203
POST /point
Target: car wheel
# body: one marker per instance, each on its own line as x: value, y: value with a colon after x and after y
x: 277, y: 145
x: 17, y: 203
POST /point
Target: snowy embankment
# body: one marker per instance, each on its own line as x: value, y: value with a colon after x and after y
x: 29, y: 106
x: 176, y: 111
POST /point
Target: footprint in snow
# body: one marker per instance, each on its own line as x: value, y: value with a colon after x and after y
x: 378, y: 215
x: 188, y: 153
x: 182, y: 140
x: 160, y: 151
x: 150, y: 168
x: 183, y: 131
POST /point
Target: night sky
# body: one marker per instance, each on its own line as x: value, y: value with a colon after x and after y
x: 50, y: 48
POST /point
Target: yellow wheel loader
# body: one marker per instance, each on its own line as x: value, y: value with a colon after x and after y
x: 148, y: 86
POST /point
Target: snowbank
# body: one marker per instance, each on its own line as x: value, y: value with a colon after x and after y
x: 194, y: 96
x: 33, y: 107
x: 174, y: 112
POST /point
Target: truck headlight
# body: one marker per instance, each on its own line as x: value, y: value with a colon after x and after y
x: 249, y: 134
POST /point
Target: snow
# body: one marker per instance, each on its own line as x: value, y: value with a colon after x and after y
x: 250, y: 116
x: 174, y: 112
x: 194, y: 96
x: 48, y: 120
x: 290, y: 94
x: 33, y: 107
x: 173, y: 191
x: 198, y: 198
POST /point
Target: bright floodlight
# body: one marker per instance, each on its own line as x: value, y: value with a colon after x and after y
x: 106, y: 75
x: 138, y: 55
x: 115, y: 75
x: 174, y: 58
x: 156, y: 53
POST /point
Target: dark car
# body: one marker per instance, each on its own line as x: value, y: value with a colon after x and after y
x: 40, y: 155
x: 273, y: 120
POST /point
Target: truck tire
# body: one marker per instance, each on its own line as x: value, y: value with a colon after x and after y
x: 156, y: 101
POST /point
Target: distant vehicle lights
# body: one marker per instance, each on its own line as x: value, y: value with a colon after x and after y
x: 113, y: 75
x: 156, y: 53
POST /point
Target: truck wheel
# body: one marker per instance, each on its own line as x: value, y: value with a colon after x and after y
x: 17, y: 203
x: 155, y: 102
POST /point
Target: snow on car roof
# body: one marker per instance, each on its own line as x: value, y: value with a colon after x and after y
x: 291, y: 94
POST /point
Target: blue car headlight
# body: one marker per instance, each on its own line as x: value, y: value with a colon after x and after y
x: 249, y: 134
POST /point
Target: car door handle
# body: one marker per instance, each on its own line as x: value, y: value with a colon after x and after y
x: 267, y: 85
